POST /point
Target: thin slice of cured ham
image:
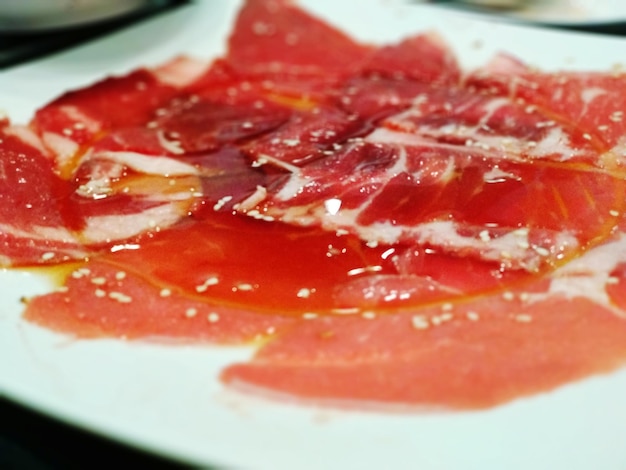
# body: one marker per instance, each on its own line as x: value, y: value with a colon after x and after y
x: 104, y: 300
x: 519, y: 215
x: 436, y: 359
x: 277, y: 36
x: 474, y: 353
x: 35, y: 227
x: 49, y: 219
x: 592, y: 101
x: 103, y: 173
x: 392, y: 229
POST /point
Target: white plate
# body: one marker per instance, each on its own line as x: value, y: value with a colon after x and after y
x: 167, y: 398
x: 554, y: 12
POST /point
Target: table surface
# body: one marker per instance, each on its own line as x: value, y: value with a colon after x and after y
x: 30, y: 440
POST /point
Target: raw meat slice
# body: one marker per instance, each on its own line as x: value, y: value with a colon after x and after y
x: 472, y: 354
x: 591, y: 101
x: 459, y: 364
x: 425, y: 58
x: 48, y: 219
x: 520, y: 216
x: 392, y: 230
x: 35, y: 227
x: 102, y: 300
x: 278, y: 37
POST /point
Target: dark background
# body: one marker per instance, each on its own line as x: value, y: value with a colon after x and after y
x: 31, y: 441
x: 20, y: 47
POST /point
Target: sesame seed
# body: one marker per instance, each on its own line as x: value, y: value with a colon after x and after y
x: 446, y: 316
x: 100, y: 293
x: 346, y: 311
x: 213, y: 317
x: 508, y: 295
x: 309, y: 315
x: 419, y: 322
x: 81, y: 272
x: 211, y: 281
x: 220, y: 203
x: 120, y: 297
x: 120, y: 275
x: 99, y: 281
x: 541, y: 250
x: 447, y: 307
x: 165, y: 292
x: 47, y: 256
x: 523, y: 318
x: 304, y: 293
x: 244, y: 286
x: 484, y: 235
x: 613, y: 213
x: 191, y: 312
x: 368, y: 315
x: 612, y: 280
x: 259, y: 28
x: 472, y: 316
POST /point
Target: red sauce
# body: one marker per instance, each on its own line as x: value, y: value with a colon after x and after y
x: 275, y: 268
